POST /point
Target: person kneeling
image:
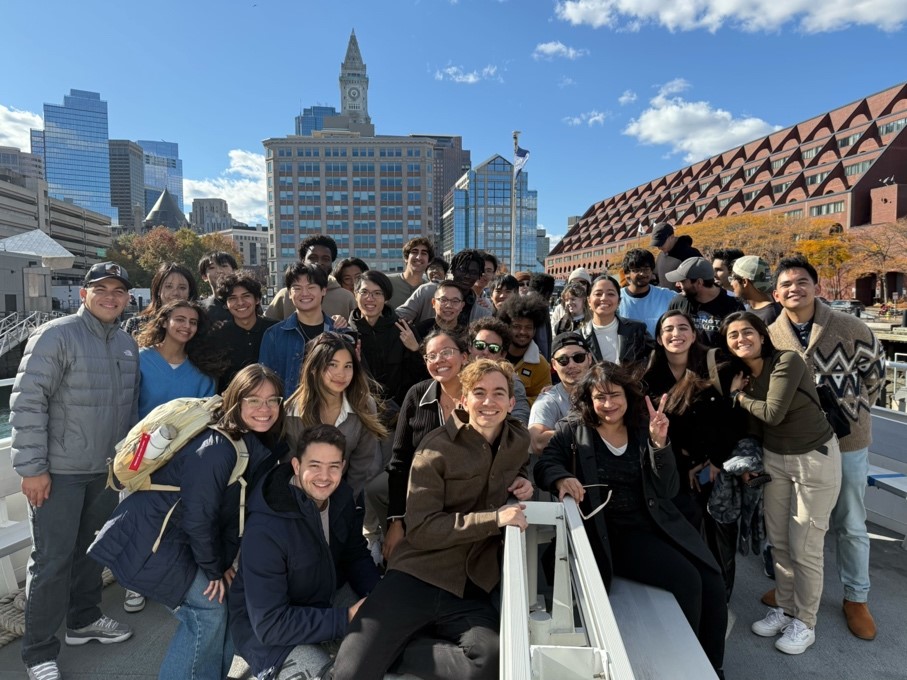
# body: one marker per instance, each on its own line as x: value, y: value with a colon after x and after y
x: 303, y: 540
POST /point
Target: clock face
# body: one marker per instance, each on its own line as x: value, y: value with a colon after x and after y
x: 354, y: 93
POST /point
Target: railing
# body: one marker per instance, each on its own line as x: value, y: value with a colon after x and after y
x: 894, y: 395
x: 16, y: 327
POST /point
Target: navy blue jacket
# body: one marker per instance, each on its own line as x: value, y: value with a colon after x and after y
x: 203, y: 532
x: 281, y: 596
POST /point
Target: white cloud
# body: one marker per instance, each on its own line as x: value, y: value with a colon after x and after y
x: 15, y: 125
x: 628, y: 97
x: 242, y: 186
x: 566, y: 81
x: 695, y: 129
x: 555, y: 48
x: 456, y: 74
x: 747, y: 15
x: 590, y: 118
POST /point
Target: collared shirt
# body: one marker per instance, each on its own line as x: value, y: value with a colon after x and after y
x: 242, y: 346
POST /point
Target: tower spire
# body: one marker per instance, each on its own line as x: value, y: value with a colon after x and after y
x: 354, y: 84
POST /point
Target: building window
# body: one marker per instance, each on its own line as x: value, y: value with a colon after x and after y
x: 847, y: 141
x: 794, y: 214
x: 780, y: 188
x: 857, y: 168
x: 810, y: 153
x: 778, y: 162
x: 749, y: 172
x: 893, y: 126
x: 816, y: 179
x: 826, y: 209
x: 750, y: 195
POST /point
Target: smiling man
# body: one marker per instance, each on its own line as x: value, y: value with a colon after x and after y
x: 417, y: 253
x: 640, y: 299
x: 466, y: 267
x: 434, y: 604
x: 524, y: 314
x: 303, y: 541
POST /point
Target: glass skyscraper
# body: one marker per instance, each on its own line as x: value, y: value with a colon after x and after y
x: 312, y: 118
x: 163, y: 170
x: 477, y: 215
x: 74, y: 146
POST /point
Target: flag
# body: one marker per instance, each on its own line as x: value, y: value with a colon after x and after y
x: 519, y: 160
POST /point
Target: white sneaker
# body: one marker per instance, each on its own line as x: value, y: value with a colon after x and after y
x: 796, y: 639
x: 375, y: 544
x: 44, y: 671
x: 133, y: 602
x: 773, y: 623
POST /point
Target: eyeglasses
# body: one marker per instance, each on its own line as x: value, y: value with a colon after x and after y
x: 444, y: 302
x: 443, y: 354
x: 492, y: 347
x: 258, y: 402
x: 641, y: 270
x: 370, y: 294
x: 577, y: 357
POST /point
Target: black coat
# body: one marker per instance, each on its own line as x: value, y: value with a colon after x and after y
x: 635, y: 341
x: 571, y: 453
x: 384, y: 356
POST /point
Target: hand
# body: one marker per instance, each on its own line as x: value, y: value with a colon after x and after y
x: 354, y: 609
x: 229, y: 575
x: 393, y: 536
x: 216, y: 589
x: 521, y: 488
x: 658, y: 422
x: 570, y: 486
x: 694, y: 476
x: 713, y: 472
x: 512, y: 515
x: 36, y: 489
x: 407, y: 337
x: 739, y: 382
x: 483, y: 302
x: 339, y: 322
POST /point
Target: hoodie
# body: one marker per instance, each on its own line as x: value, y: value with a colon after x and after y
x: 288, y: 572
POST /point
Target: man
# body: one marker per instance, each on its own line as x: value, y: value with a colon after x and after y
x: 242, y: 336
x: 707, y: 303
x: 524, y: 315
x: 447, y: 303
x: 543, y: 284
x: 303, y: 541
x: 437, y: 270
x: 434, y: 602
x: 722, y: 261
x: 488, y: 273
x: 572, y: 359
x: 674, y: 250
x: 417, y: 254
x: 751, y: 280
x: 489, y: 338
x: 320, y: 251
x: 283, y: 344
x: 75, y: 396
x: 466, y: 268
x: 212, y: 267
x: 640, y: 299
x: 845, y: 355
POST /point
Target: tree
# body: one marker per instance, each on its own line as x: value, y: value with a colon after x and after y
x: 829, y: 255
x: 879, y: 249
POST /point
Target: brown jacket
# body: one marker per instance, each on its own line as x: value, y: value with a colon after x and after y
x: 455, y: 487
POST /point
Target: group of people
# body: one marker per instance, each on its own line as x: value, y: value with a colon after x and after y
x: 390, y: 425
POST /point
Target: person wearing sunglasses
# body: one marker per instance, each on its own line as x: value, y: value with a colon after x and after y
x: 571, y: 359
x: 489, y: 338
x: 616, y: 461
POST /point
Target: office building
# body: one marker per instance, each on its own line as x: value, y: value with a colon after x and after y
x: 163, y: 170
x: 210, y: 215
x: 27, y: 164
x: 312, y: 118
x: 127, y: 183
x: 847, y: 164
x: 477, y: 214
x: 451, y: 161
x: 542, y: 247
x: 75, y: 152
x: 252, y: 243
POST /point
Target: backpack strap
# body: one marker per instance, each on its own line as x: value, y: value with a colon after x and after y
x: 157, y: 542
x: 239, y: 469
x: 713, y: 369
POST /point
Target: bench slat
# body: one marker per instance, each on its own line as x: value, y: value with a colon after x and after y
x: 14, y: 537
x: 888, y: 480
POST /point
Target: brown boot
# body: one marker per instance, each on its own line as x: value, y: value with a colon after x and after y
x: 768, y: 599
x: 859, y: 620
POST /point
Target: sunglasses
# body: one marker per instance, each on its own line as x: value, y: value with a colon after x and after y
x: 578, y: 358
x: 492, y: 347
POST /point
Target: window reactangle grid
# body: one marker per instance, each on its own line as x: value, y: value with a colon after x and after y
x: 893, y: 126
x: 826, y: 209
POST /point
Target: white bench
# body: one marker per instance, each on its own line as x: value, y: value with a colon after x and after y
x: 888, y: 462
x: 14, y: 535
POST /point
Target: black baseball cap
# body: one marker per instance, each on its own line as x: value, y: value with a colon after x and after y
x: 566, y: 340
x: 106, y: 270
x: 660, y: 234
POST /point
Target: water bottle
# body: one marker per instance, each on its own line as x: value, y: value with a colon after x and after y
x: 152, y: 445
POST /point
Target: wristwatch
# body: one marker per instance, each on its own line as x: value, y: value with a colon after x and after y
x: 734, y: 395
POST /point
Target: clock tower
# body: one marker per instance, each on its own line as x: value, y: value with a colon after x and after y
x: 354, y: 84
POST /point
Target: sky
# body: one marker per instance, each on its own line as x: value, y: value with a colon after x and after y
x: 608, y: 94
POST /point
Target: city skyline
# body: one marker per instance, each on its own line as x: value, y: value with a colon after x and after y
x: 605, y: 100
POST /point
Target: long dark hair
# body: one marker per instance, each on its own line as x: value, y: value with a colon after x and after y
x: 627, y: 377
x: 165, y: 270
x: 696, y: 377
x: 203, y: 354
x: 768, y: 348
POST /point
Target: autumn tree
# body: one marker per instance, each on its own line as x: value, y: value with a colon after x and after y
x: 879, y: 249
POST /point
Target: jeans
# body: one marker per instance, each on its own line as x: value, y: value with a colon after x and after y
x: 848, y: 521
x: 201, y: 648
x: 798, y: 504
x: 62, y: 581
x: 435, y: 634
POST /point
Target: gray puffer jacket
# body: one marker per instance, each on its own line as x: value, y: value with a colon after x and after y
x: 75, y: 396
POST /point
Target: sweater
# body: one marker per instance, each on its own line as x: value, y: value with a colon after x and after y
x: 162, y: 383
x: 844, y: 354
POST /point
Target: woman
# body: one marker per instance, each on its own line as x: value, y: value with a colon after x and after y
x: 347, y: 271
x: 427, y: 406
x: 175, y: 357
x: 576, y: 311
x: 704, y: 426
x: 171, y: 282
x: 802, y: 456
x: 389, y: 349
x: 611, y: 337
x: 639, y: 534
x: 334, y: 390
x: 191, y: 569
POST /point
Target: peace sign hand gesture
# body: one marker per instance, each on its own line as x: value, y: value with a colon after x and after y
x: 658, y: 422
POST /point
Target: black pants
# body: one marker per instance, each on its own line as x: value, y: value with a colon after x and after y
x: 645, y: 556
x: 436, y: 635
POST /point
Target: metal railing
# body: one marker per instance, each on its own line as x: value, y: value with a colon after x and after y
x: 17, y: 326
x: 894, y: 394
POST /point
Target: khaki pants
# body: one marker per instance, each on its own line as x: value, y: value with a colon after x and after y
x: 798, y: 504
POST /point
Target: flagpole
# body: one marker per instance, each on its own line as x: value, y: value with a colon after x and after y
x: 513, y: 243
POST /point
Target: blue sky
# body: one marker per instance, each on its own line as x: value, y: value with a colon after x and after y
x: 607, y: 93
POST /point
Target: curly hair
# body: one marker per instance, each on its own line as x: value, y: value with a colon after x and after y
x: 492, y: 324
x: 242, y: 278
x: 419, y: 241
x: 531, y: 306
x: 201, y: 351
x: 627, y: 378
x: 474, y: 371
x: 318, y: 240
